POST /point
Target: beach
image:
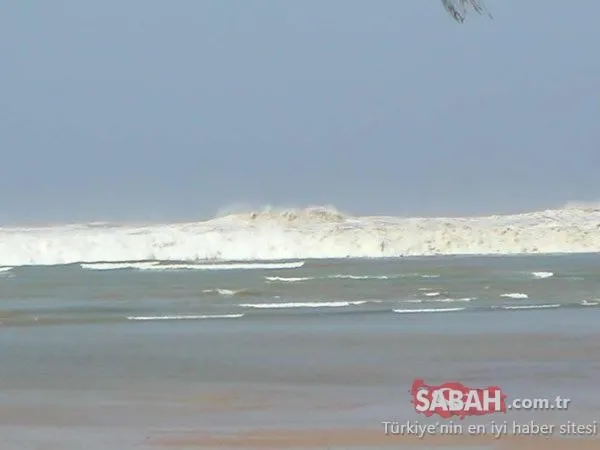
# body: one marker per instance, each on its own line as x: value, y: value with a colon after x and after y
x: 307, y: 354
x: 299, y: 225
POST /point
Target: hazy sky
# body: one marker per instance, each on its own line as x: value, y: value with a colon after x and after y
x: 155, y: 110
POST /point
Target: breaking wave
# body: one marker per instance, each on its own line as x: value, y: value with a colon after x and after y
x: 338, y: 276
x: 515, y: 295
x: 301, y: 234
x: 288, y: 279
x: 450, y: 300
x: 556, y: 305
x: 304, y: 304
x: 427, y: 310
x: 542, y: 275
x: 362, y: 277
x: 213, y: 316
x: 154, y: 265
x: 227, y: 292
x: 119, y: 266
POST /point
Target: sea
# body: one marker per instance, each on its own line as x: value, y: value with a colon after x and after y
x: 147, y: 354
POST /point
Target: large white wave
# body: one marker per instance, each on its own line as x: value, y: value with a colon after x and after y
x: 301, y: 234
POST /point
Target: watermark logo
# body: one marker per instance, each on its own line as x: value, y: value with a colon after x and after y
x: 455, y: 399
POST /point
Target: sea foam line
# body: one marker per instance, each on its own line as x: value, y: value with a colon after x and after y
x: 227, y: 292
x: 515, y: 295
x: 511, y: 307
x: 289, y: 279
x: 451, y: 300
x: 337, y: 276
x: 232, y: 266
x: 118, y: 266
x: 188, y: 317
x: 304, y: 304
x: 155, y: 265
x: 362, y: 277
x: 542, y: 275
x: 427, y: 310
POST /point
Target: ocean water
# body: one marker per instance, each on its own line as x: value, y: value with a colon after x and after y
x: 376, y: 289
x: 118, y: 355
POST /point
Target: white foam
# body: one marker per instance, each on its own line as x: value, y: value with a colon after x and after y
x: 214, y: 316
x: 303, y: 233
x: 154, y: 265
x: 119, y: 266
x: 530, y: 306
x: 427, y: 310
x: 223, y: 291
x: 6, y: 269
x: 361, y: 277
x: 337, y: 276
x: 515, y: 295
x: 589, y: 303
x: 289, y: 279
x: 432, y: 294
x: 232, y: 266
x: 451, y: 300
x: 302, y: 305
x: 542, y: 274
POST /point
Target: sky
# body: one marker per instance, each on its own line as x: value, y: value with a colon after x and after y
x: 148, y: 110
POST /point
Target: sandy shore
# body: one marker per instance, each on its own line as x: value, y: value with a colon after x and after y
x: 367, y: 438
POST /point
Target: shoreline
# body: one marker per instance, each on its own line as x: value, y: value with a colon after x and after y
x: 363, y: 438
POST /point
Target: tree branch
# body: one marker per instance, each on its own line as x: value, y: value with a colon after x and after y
x: 458, y: 8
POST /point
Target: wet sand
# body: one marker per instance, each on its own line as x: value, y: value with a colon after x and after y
x: 304, y: 384
x: 364, y: 439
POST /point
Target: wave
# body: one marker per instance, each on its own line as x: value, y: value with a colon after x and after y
x: 299, y: 234
x: 451, y: 300
x: 209, y: 316
x: 589, y: 303
x: 289, y: 279
x: 228, y: 292
x: 556, y: 305
x: 515, y: 295
x: 119, y: 266
x: 337, y: 276
x: 155, y: 265
x: 305, y: 304
x: 427, y: 310
x: 6, y: 269
x: 362, y: 277
x: 230, y: 266
x: 542, y: 275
